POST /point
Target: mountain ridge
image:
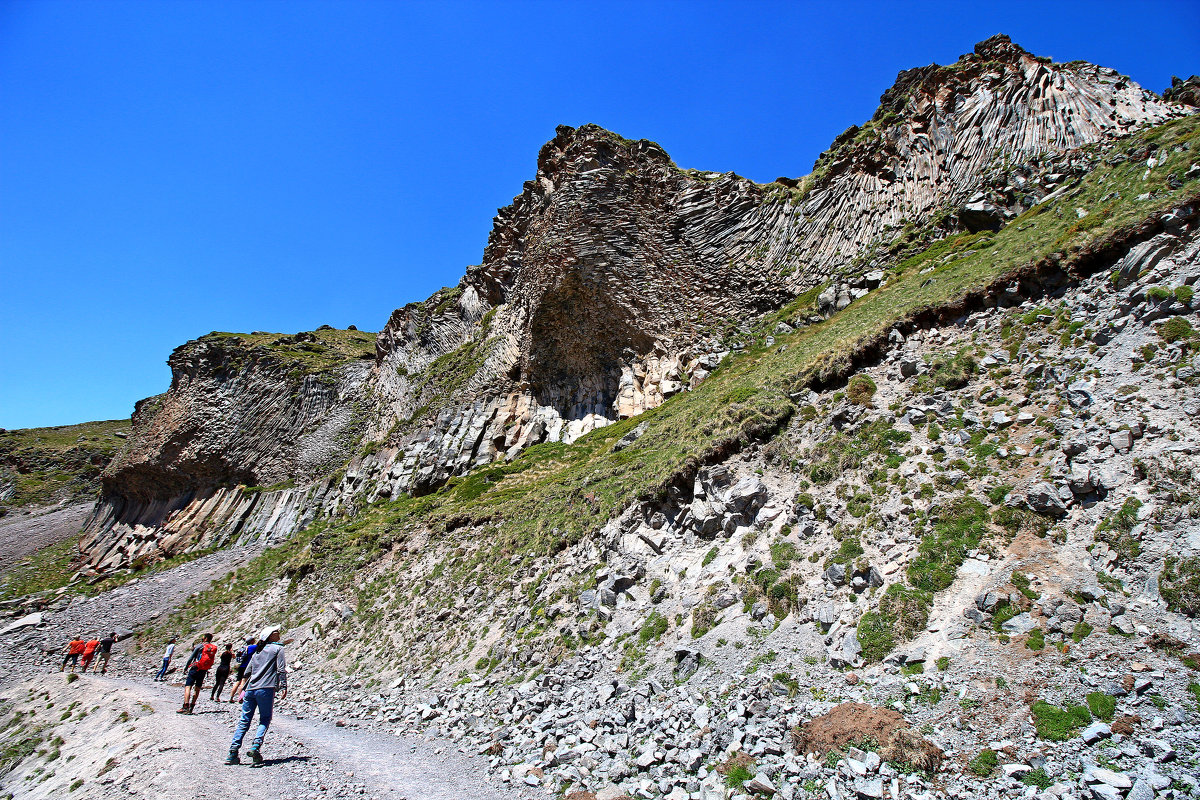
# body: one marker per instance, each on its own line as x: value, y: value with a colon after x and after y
x: 611, y: 281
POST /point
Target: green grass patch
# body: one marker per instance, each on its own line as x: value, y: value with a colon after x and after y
x: 860, y: 389
x: 1101, y: 705
x: 45, y: 570
x: 1059, y: 724
x: 902, y: 613
x: 985, y: 763
x: 783, y: 554
x: 1179, y: 584
x: 307, y: 353
x: 958, y: 526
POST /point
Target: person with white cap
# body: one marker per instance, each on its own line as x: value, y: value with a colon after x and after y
x: 266, y: 674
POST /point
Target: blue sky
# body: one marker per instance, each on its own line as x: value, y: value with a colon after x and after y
x: 172, y: 168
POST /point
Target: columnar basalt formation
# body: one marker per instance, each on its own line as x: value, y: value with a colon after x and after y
x: 612, y: 282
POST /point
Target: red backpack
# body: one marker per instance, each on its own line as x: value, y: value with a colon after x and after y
x: 207, y: 656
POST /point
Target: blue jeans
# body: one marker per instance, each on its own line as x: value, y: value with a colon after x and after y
x: 264, y: 701
x: 162, y: 673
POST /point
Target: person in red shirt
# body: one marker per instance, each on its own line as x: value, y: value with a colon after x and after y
x: 89, y: 652
x: 74, y: 651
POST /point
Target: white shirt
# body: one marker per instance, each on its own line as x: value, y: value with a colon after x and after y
x: 170, y: 650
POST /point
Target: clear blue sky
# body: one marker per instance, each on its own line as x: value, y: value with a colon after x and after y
x: 172, y: 168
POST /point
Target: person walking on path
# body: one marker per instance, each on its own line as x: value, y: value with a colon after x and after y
x: 266, y: 674
x: 106, y: 645
x: 243, y: 663
x: 170, y: 651
x: 222, y: 673
x: 89, y: 652
x: 74, y: 651
x: 197, y: 668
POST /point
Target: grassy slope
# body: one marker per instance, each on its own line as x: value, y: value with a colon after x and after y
x: 49, y: 464
x: 333, y: 348
x: 554, y: 494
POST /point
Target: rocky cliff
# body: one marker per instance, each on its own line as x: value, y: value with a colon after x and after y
x: 613, y: 282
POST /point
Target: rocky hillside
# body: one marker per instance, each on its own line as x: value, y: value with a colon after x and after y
x: 940, y: 543
x: 614, y: 282
x: 43, y: 466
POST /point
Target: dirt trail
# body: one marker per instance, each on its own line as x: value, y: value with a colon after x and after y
x: 122, y: 738
x: 118, y: 736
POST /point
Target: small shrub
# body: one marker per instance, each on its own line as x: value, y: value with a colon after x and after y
x: 653, y: 629
x: 861, y: 389
x: 1184, y: 294
x: 985, y: 763
x: 782, y: 554
x: 902, y: 613
x: 1082, y: 631
x: 943, y: 664
x: 1176, y: 329
x: 1036, y: 640
x: 1101, y: 705
x: 1158, y: 293
x: 1179, y: 584
x: 709, y: 556
x: 737, y: 769
x: 1037, y: 777
x: 953, y: 372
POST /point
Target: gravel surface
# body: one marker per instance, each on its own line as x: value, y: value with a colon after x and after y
x: 22, y: 534
x: 122, y: 738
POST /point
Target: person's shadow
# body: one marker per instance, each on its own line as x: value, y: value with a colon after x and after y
x: 271, y: 762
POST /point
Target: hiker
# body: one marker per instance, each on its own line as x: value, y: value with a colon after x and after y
x: 74, y: 651
x: 170, y: 651
x: 266, y: 673
x: 89, y: 651
x: 222, y: 673
x: 106, y: 645
x: 243, y: 662
x: 197, y: 668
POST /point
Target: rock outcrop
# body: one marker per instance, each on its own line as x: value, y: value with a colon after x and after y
x: 614, y: 281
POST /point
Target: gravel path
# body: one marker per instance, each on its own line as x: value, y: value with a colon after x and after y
x: 136, y: 603
x: 123, y: 739
x: 118, y: 736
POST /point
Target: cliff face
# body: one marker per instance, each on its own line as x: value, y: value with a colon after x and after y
x: 612, y: 282
x: 257, y: 410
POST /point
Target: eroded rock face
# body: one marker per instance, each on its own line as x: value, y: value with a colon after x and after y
x: 597, y: 298
x: 236, y: 415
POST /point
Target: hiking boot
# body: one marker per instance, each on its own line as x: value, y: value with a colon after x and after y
x: 255, y: 757
x: 183, y: 710
x: 233, y: 758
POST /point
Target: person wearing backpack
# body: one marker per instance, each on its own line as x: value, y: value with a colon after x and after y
x: 243, y: 664
x: 266, y: 674
x: 197, y: 668
x: 89, y: 651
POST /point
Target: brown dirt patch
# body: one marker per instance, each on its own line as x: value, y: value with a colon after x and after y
x: 1125, y: 724
x: 859, y: 724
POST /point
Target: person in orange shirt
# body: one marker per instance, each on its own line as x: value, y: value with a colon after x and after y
x: 74, y: 651
x: 89, y: 652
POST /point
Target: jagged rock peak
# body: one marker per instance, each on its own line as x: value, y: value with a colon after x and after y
x: 590, y: 147
x: 997, y: 99
x: 1186, y: 92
